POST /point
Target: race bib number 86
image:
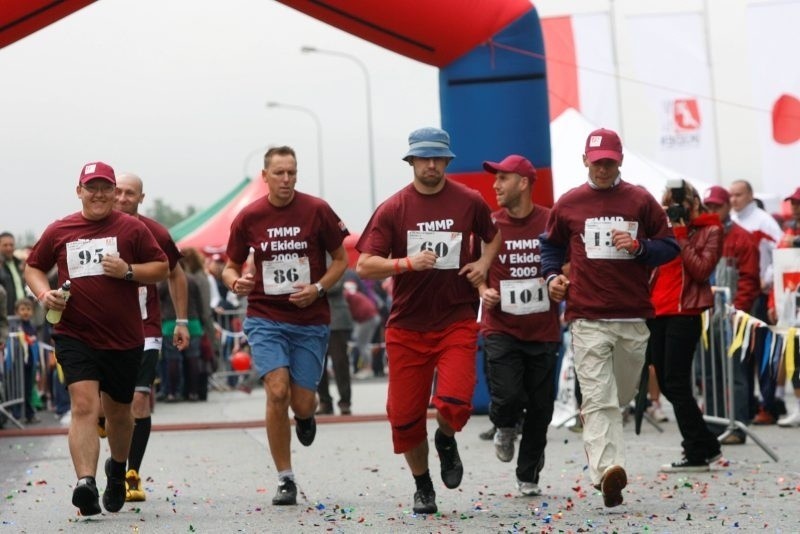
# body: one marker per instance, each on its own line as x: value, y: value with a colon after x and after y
x: 281, y: 276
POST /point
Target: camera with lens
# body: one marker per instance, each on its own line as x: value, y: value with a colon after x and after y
x: 676, y: 211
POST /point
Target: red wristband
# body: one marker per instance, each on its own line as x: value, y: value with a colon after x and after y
x: 408, y: 262
x: 39, y: 298
x: 233, y: 285
x: 397, y: 266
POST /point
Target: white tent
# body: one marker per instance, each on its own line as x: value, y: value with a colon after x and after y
x: 567, y: 137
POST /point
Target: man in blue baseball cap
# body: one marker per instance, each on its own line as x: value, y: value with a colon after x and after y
x: 421, y: 237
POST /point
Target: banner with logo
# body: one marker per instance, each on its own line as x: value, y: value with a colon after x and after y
x: 774, y: 41
x: 786, y: 266
x: 670, y: 63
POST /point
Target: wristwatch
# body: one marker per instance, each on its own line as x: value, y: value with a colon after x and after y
x: 129, y: 274
x: 320, y: 290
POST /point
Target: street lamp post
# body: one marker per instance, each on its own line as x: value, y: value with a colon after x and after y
x: 319, y: 137
x: 371, y: 148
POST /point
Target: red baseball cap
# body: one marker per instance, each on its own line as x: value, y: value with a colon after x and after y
x: 603, y: 144
x: 716, y: 195
x: 794, y: 196
x: 97, y: 169
x: 513, y: 163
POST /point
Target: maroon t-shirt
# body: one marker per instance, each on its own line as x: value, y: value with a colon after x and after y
x: 524, y: 294
x: 602, y: 288
x: 289, y: 244
x: 102, y: 312
x: 152, y: 311
x: 430, y: 300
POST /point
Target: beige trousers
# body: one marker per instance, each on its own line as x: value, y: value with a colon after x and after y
x: 609, y: 356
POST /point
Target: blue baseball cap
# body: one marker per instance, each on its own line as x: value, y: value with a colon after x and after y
x: 429, y: 143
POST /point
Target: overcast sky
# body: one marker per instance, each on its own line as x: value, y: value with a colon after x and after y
x: 175, y: 91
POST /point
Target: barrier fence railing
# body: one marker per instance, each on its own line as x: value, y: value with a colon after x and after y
x: 717, y: 369
x: 12, y: 385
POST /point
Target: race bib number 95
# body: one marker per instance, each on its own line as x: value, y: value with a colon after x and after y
x: 85, y: 256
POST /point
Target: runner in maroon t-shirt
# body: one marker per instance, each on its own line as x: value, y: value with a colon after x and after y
x: 613, y: 233
x: 520, y: 325
x: 421, y: 235
x: 288, y: 317
x: 129, y: 195
x: 105, y: 254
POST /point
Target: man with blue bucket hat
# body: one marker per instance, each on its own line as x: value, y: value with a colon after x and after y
x: 421, y: 236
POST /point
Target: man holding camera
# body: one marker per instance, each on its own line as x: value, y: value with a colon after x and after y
x: 613, y: 233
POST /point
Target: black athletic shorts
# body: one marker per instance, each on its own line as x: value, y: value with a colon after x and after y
x: 115, y: 370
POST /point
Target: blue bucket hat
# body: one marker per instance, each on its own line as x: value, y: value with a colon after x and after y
x: 429, y: 143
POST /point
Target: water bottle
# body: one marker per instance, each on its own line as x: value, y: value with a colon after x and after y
x: 54, y: 316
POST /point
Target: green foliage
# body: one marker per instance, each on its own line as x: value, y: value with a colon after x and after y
x: 168, y: 215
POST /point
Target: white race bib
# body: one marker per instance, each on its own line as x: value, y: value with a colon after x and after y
x: 143, y: 301
x: 280, y: 276
x: 446, y: 246
x: 597, y: 239
x: 85, y: 256
x: 522, y: 297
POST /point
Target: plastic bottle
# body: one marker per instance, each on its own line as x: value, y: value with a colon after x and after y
x: 54, y: 316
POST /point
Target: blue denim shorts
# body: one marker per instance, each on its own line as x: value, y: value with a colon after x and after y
x: 301, y: 348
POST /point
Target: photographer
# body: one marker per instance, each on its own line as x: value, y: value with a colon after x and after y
x: 680, y: 291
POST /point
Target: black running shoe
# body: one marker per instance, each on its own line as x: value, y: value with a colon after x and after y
x: 425, y: 501
x: 114, y: 494
x: 86, y: 497
x: 286, y: 494
x: 452, y: 469
x: 306, y: 430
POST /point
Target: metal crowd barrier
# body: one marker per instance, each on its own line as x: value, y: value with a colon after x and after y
x: 231, y: 339
x: 717, y: 371
x: 12, y: 385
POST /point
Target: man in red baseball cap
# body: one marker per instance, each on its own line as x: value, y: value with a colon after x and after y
x: 520, y: 325
x: 613, y: 233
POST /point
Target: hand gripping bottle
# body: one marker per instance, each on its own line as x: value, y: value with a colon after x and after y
x: 54, y: 316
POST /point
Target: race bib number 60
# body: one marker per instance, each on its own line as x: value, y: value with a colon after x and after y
x: 85, y: 256
x: 281, y: 276
x: 446, y: 246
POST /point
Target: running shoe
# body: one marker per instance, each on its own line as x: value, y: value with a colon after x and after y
x: 684, y: 465
x: 86, y: 497
x: 286, y: 494
x: 790, y: 420
x: 530, y: 489
x: 133, y: 487
x: 504, y: 443
x: 425, y: 501
x: 306, y: 430
x: 452, y: 468
x: 613, y: 481
x: 114, y: 494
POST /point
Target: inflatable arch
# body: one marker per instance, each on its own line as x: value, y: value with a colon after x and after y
x: 492, y: 83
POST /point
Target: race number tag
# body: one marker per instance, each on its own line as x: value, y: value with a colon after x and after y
x: 280, y: 276
x: 446, y: 246
x: 143, y: 301
x: 85, y: 256
x: 597, y: 239
x: 521, y: 297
